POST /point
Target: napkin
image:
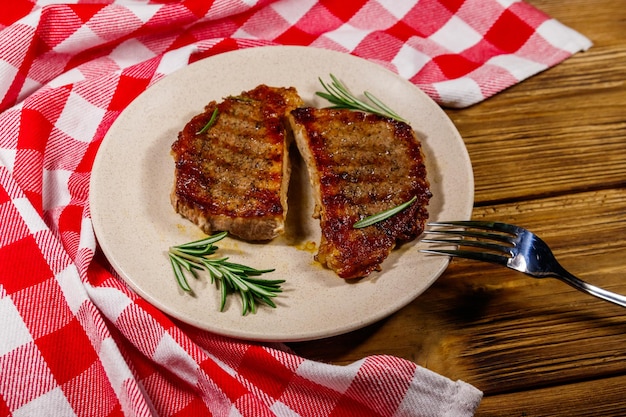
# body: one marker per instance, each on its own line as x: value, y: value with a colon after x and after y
x: 75, y: 340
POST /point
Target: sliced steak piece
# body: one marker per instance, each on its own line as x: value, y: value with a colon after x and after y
x: 361, y: 164
x: 234, y: 175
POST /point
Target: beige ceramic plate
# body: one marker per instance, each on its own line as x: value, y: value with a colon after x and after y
x: 135, y: 223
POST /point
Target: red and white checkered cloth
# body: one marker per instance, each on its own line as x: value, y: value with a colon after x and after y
x: 74, y: 340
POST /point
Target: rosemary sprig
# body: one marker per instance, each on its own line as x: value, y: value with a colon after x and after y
x: 209, y: 123
x: 232, y: 277
x: 341, y: 98
x: 375, y: 218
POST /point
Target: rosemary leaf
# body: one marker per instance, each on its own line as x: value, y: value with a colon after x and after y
x: 386, y: 109
x: 375, y: 218
x: 248, y: 303
x: 189, y: 266
x: 180, y: 276
x: 235, y: 280
x: 223, y: 296
x: 269, y: 302
x: 341, y: 98
x: 207, y: 241
x: 213, y: 272
x: 230, y: 277
x: 209, y: 123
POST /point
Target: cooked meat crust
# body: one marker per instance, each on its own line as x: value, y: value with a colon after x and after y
x: 234, y: 176
x: 361, y: 164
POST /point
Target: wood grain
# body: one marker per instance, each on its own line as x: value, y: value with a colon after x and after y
x: 603, y: 397
x: 548, y: 154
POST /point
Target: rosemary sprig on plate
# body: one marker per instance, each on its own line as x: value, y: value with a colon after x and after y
x: 378, y: 217
x: 232, y: 277
x: 341, y: 98
x: 209, y: 123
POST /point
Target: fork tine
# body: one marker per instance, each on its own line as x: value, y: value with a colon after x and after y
x: 494, y: 247
x: 477, y: 235
x: 469, y: 254
x: 496, y: 226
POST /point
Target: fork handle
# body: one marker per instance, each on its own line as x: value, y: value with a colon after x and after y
x: 583, y: 286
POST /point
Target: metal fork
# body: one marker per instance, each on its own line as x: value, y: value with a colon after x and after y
x: 510, y: 246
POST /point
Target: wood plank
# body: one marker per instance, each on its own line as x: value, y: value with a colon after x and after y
x: 604, y: 397
x: 597, y: 19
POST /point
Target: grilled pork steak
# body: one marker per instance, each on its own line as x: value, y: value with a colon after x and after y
x: 361, y: 164
x: 234, y: 175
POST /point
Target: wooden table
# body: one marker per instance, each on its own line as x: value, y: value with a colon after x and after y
x: 548, y: 154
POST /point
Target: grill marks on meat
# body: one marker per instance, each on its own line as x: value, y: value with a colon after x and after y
x: 234, y: 176
x: 361, y: 164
